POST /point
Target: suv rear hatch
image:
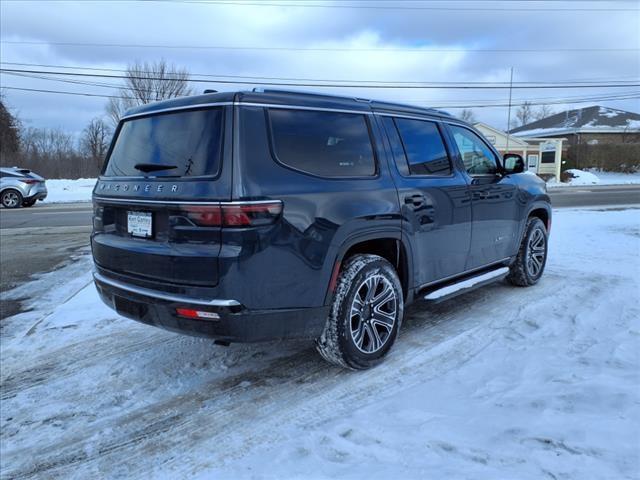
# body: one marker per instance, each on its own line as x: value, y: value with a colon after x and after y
x: 156, y: 205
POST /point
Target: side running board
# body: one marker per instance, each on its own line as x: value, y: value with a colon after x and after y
x: 466, y: 285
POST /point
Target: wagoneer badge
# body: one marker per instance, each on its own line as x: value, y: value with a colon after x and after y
x: 147, y: 187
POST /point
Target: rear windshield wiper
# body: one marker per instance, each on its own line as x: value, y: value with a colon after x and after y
x: 153, y: 167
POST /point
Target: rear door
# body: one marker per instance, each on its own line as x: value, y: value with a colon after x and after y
x: 157, y: 202
x: 434, y: 198
x: 496, y: 210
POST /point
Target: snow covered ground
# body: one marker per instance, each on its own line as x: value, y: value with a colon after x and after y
x: 596, y: 177
x: 65, y: 191
x: 501, y: 383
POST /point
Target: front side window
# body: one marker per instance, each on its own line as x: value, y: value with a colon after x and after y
x: 477, y: 156
x: 424, y: 147
x: 181, y: 144
x: 327, y: 144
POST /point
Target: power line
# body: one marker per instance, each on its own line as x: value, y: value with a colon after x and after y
x: 558, y: 102
x: 394, y: 7
x: 326, y: 85
x: 151, y: 90
x: 322, y: 49
x: 306, y: 79
x: 451, y: 104
x: 24, y: 89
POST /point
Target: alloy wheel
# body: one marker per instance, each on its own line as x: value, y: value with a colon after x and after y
x: 373, y: 313
x: 10, y: 199
x: 536, y: 252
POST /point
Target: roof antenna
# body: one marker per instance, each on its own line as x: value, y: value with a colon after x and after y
x: 210, y: 91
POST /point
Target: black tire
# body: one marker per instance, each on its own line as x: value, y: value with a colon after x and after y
x: 360, y: 340
x: 532, y: 255
x: 11, y: 198
x: 28, y: 203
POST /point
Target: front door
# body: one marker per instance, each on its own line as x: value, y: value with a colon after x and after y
x: 434, y: 198
x: 494, y: 201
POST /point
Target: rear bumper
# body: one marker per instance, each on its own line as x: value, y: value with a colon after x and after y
x: 37, y: 196
x: 36, y: 192
x: 235, y: 322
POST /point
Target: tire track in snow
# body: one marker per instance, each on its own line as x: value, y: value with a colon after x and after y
x: 226, y: 410
x: 70, y: 360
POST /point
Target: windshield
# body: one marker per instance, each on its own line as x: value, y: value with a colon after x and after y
x: 181, y: 144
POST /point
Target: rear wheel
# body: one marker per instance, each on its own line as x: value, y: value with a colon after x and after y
x: 365, y: 315
x: 532, y: 256
x: 11, y: 198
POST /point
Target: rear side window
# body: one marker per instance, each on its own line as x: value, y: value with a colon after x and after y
x: 328, y: 144
x: 424, y: 147
x: 181, y: 144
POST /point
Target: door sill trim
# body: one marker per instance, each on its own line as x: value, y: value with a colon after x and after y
x: 466, y: 285
x: 464, y: 273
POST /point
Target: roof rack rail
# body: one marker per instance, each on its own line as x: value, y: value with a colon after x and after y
x: 306, y: 92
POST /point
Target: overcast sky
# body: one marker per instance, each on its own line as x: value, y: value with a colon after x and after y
x: 421, y: 43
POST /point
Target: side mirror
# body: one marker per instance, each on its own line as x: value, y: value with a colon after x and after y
x: 513, y: 163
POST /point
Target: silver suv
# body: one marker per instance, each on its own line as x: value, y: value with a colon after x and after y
x: 20, y: 187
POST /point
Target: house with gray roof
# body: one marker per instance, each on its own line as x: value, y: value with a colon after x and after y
x: 599, y: 137
x: 592, y: 122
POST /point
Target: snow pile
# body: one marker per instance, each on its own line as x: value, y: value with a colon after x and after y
x: 581, y: 177
x: 65, y: 191
x: 502, y: 382
x: 596, y: 177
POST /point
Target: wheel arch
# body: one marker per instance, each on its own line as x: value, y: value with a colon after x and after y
x: 543, y: 212
x: 389, y: 245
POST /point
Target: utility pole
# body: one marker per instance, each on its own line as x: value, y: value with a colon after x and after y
x: 509, y: 111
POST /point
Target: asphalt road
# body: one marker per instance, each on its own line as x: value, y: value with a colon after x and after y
x: 39, y: 239
x: 79, y: 214
x: 43, y: 215
x: 603, y: 195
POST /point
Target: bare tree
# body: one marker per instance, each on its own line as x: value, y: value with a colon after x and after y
x: 51, y: 153
x: 543, y: 111
x: 95, y: 141
x: 148, y: 82
x: 468, y: 116
x: 9, y: 137
x: 524, y: 114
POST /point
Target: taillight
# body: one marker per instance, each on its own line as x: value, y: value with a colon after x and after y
x: 204, y: 216
x: 234, y: 214
x: 29, y: 181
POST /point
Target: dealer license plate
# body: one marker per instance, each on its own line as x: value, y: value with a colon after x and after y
x: 140, y: 224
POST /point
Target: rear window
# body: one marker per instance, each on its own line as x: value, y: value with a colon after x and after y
x: 182, y: 144
x: 328, y: 144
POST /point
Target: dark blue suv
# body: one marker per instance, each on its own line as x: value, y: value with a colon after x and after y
x: 263, y: 215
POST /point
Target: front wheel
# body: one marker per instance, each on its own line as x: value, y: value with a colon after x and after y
x: 11, y: 198
x: 366, y: 314
x: 532, y: 256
